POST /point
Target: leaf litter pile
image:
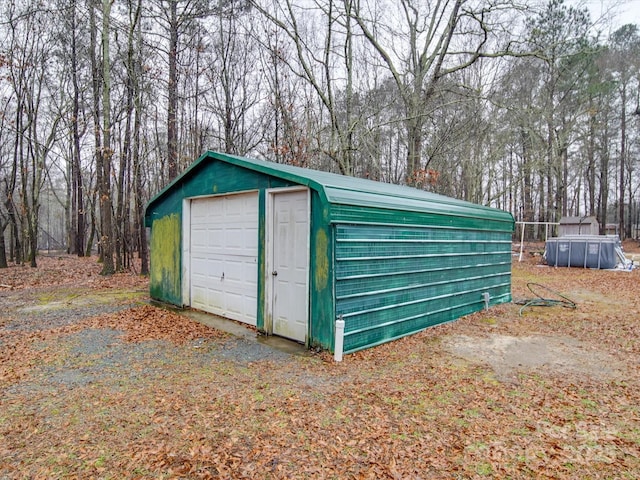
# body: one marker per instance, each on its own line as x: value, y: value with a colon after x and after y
x: 144, y: 392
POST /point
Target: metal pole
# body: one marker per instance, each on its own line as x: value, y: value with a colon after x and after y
x: 521, y: 241
x: 339, y: 343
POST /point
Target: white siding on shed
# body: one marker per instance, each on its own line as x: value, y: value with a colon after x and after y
x: 578, y: 226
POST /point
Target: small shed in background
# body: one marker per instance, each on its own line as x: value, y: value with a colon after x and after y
x: 578, y: 226
x: 611, y: 229
x: 291, y: 250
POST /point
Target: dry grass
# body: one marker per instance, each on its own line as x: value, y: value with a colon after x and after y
x: 408, y: 409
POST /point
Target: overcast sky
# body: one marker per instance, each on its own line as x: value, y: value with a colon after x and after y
x: 620, y: 12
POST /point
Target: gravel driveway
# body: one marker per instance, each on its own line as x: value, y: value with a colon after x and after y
x: 91, y: 355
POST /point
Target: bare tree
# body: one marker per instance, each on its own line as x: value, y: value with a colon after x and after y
x: 177, y: 18
x: 69, y: 59
x: 286, y: 132
x: 134, y: 70
x: 101, y: 73
x: 322, y: 37
x: 36, y: 125
x: 123, y: 241
x: 625, y: 44
x: 423, y: 42
x: 234, y: 94
x: 4, y: 169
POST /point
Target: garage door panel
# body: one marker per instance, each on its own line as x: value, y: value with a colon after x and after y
x: 234, y: 242
x: 224, y: 254
x: 215, y: 241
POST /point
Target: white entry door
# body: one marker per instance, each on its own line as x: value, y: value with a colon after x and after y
x: 224, y: 256
x: 290, y: 272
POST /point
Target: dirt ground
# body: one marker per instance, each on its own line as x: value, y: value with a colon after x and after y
x: 97, y: 383
x: 507, y: 355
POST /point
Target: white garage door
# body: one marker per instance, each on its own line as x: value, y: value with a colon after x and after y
x: 224, y: 256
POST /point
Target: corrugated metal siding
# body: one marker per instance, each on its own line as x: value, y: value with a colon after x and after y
x: 395, y: 280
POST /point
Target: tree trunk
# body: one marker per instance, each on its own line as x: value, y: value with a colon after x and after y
x: 414, y: 149
x: 563, y: 181
x: 140, y: 232
x: 552, y: 208
x: 93, y: 229
x: 32, y: 229
x: 623, y: 155
x: 77, y: 200
x: 3, y: 248
x: 125, y: 154
x: 96, y: 83
x: 603, y: 194
x: 591, y: 162
x: 14, y: 221
x: 527, y: 173
x: 629, y: 213
x: 172, y: 92
x: 106, y: 237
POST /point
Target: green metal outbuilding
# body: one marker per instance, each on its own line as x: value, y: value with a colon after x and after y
x: 291, y: 250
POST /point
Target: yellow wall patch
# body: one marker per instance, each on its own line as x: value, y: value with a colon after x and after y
x: 165, y: 258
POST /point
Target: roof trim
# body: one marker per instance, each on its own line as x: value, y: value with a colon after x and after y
x: 242, y: 162
x: 341, y: 190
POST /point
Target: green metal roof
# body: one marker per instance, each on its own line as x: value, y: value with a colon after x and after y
x: 340, y: 189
